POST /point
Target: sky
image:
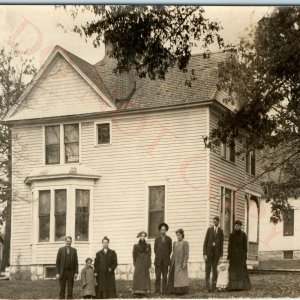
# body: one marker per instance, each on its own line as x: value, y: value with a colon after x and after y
x: 34, y: 28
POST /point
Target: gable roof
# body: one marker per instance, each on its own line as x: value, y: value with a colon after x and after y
x: 127, y: 92
x: 87, y: 71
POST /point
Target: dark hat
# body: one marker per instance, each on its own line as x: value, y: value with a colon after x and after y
x: 238, y: 222
x: 163, y: 224
x: 216, y: 218
x: 88, y: 259
x: 142, y: 232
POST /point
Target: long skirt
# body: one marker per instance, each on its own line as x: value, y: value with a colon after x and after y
x: 171, y: 289
x: 238, y: 276
x: 141, y: 275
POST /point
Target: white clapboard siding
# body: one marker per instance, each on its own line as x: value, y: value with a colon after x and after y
x: 166, y: 149
x: 27, y: 155
x: 233, y: 174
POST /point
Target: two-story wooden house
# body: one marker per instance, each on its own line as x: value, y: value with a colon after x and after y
x: 97, y: 154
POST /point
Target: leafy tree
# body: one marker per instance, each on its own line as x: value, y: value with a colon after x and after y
x: 148, y: 39
x: 14, y: 75
x: 263, y: 75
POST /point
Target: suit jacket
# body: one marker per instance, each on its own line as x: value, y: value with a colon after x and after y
x: 61, y: 259
x: 162, y: 250
x: 211, y: 238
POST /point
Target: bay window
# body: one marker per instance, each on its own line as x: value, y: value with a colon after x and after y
x: 82, y: 215
x: 44, y: 216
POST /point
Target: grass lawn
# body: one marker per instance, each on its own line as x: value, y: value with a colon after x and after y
x: 269, y: 285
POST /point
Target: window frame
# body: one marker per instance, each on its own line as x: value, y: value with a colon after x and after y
x: 58, y: 184
x: 39, y: 215
x: 89, y: 214
x: 284, y: 223
x: 62, y: 144
x: 147, y: 204
x: 286, y: 252
x: 226, y: 152
x: 232, y: 207
x: 55, y: 213
x: 45, y: 146
x: 249, y: 156
x: 96, y: 132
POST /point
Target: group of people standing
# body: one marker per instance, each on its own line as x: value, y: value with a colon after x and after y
x: 232, y: 277
x: 171, y: 272
x: 171, y: 264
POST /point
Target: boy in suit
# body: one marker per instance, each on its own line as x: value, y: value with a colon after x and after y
x: 162, y: 250
x: 212, y: 252
x: 66, y: 268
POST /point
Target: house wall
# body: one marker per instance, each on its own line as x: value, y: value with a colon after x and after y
x: 272, y: 241
x: 146, y: 149
x: 234, y: 176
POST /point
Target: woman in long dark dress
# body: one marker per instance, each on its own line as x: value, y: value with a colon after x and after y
x: 237, y: 256
x: 142, y: 263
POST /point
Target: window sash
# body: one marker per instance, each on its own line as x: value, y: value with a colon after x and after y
x: 227, y: 210
x: 82, y: 215
x: 103, y: 133
x: 156, y: 209
x: 71, y: 143
x: 250, y: 162
x: 228, y: 152
x: 60, y: 214
x: 288, y: 223
x: 52, y: 144
x: 44, y: 215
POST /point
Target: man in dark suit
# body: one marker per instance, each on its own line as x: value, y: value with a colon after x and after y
x: 212, y: 252
x: 162, y: 250
x: 104, y: 267
x: 66, y: 268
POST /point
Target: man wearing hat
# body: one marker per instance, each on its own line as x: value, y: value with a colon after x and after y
x: 162, y: 250
x: 212, y: 252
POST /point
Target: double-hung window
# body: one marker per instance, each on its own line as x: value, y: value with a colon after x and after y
x: 60, y: 214
x: 71, y: 143
x: 82, y: 215
x: 288, y: 223
x: 227, y: 210
x: 250, y: 162
x: 62, y: 148
x: 52, y: 147
x: 156, y: 209
x: 228, y: 152
x: 44, y: 215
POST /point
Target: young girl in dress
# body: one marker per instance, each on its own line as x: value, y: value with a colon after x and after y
x: 223, y: 276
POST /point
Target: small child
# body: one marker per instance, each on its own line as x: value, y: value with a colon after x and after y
x: 88, y: 280
x: 223, y: 276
